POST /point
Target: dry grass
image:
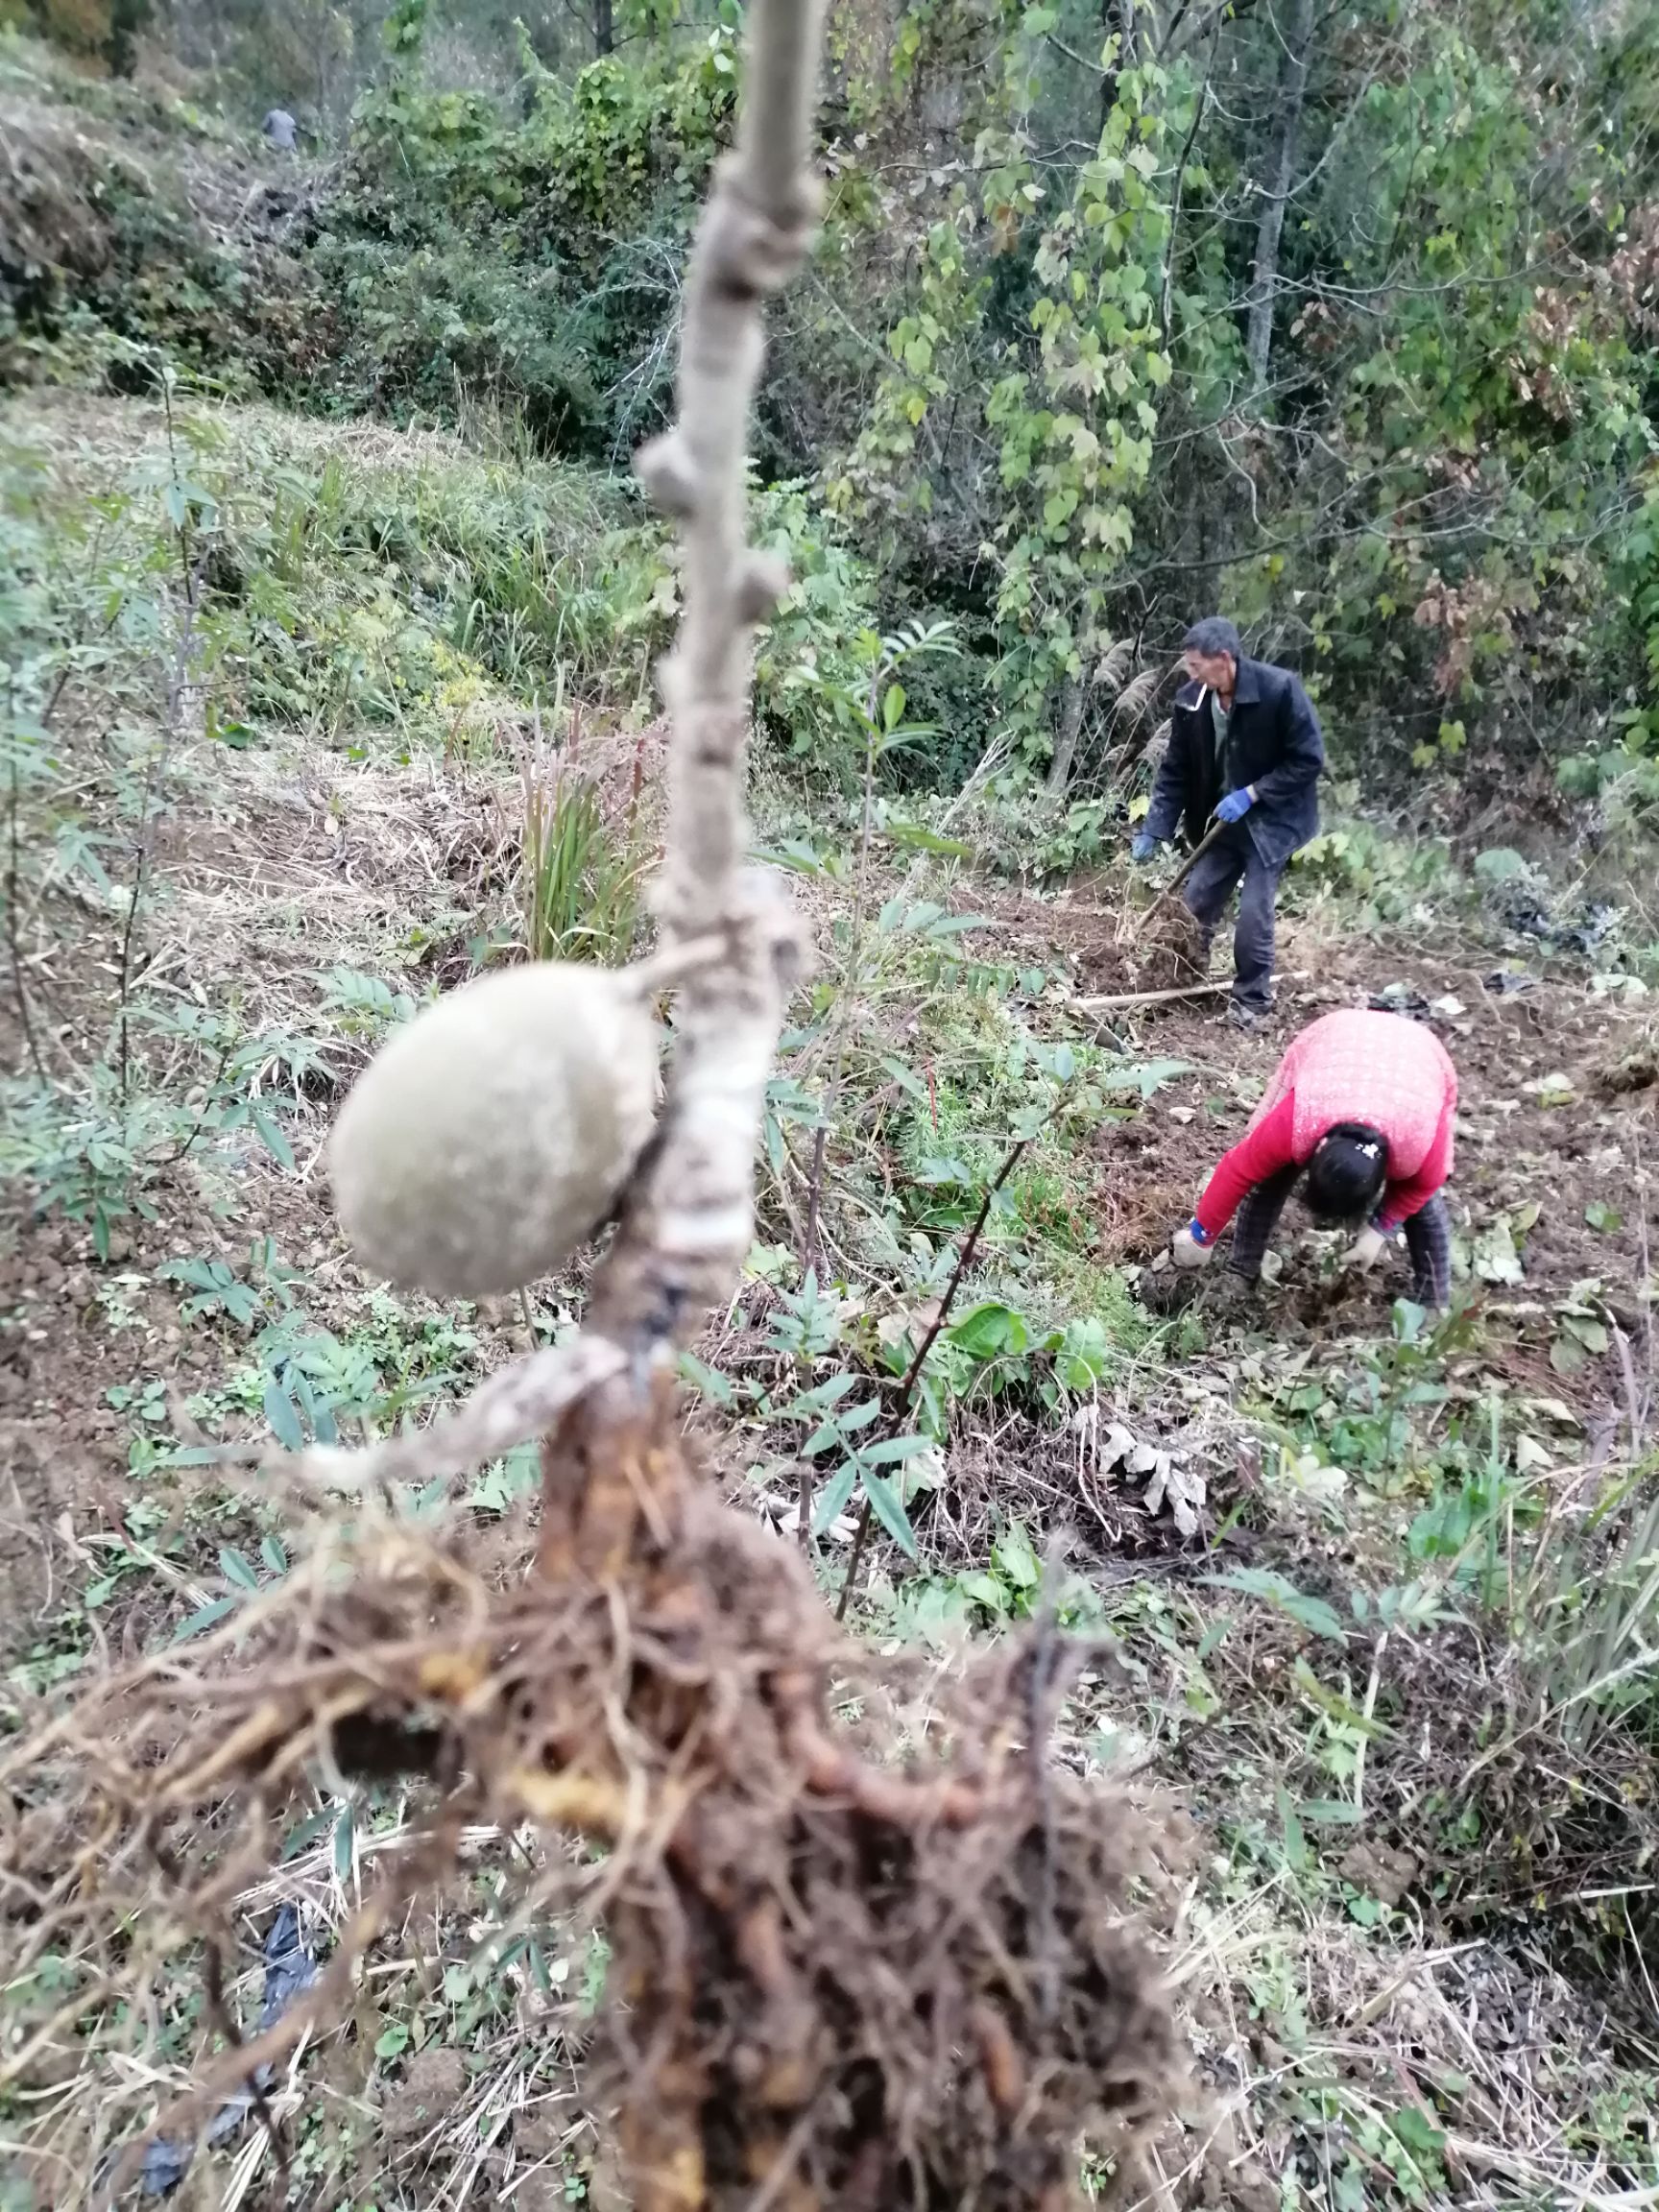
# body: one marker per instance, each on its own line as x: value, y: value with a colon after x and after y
x: 1500, y: 2058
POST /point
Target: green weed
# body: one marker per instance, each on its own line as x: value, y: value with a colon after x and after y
x: 582, y: 882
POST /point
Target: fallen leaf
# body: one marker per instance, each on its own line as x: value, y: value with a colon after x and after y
x: 1496, y: 1258
x: 1554, y: 1409
x: 1307, y: 1474
x: 1117, y: 1444
x: 1380, y: 1869
x: 1181, y: 1488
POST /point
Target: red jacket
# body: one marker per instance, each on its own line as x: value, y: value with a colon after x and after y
x: 1351, y: 1066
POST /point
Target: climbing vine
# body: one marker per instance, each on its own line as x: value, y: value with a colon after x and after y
x: 1076, y: 414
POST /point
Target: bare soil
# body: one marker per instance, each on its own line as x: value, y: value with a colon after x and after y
x: 1517, y: 1146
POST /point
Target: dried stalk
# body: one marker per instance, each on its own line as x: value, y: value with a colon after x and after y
x: 913, y: 1373
x: 1119, y: 999
x: 25, y: 1017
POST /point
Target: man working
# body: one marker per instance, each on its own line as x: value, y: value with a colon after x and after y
x: 1245, y: 745
x: 1365, y: 1104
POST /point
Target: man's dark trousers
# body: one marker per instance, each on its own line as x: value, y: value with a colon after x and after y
x: 1211, y: 884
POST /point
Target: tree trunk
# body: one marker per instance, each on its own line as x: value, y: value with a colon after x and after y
x: 1066, y: 737
x: 604, y: 27
x: 1117, y: 16
x: 1295, y: 26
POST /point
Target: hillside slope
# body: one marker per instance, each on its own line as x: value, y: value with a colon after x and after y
x: 279, y: 771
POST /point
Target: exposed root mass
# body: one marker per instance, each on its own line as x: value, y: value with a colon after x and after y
x: 879, y: 1965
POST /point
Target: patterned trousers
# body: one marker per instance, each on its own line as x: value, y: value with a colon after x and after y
x: 1428, y: 1238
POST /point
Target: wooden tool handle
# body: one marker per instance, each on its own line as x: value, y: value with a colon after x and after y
x: 1185, y: 868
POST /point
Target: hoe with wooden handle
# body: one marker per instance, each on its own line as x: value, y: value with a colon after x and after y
x: 1176, y: 880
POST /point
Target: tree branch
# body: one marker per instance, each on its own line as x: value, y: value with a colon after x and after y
x: 1296, y: 43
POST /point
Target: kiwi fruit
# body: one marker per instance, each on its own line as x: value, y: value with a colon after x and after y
x: 487, y: 1140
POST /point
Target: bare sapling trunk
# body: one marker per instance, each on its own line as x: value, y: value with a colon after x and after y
x: 1296, y: 33
x: 1068, y: 729
x: 686, y: 1227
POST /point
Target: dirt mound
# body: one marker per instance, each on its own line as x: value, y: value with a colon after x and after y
x: 1557, y: 1078
x: 162, y: 231
x: 52, y: 221
x: 1632, y: 1065
x: 1110, y: 946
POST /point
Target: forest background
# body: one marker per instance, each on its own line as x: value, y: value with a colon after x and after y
x: 1341, y: 318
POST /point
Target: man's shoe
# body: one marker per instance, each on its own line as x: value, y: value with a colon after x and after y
x: 1243, y: 1017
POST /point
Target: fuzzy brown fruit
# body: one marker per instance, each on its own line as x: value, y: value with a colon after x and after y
x: 488, y: 1138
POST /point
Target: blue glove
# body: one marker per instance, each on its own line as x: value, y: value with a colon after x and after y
x: 1143, y: 845
x: 1236, y: 805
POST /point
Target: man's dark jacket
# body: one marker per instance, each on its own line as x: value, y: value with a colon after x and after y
x: 1273, y: 741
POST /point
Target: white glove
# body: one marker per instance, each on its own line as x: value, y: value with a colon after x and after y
x: 1185, y: 1250
x: 1366, y: 1249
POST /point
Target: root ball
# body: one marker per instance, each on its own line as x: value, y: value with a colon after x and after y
x: 490, y: 1136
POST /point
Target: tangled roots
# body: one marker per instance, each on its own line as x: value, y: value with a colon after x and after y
x: 901, y: 1981
x: 1172, y: 947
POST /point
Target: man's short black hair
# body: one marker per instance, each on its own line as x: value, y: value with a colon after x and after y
x: 1347, y: 1172
x: 1213, y: 635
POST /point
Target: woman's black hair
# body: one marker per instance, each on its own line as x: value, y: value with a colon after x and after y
x: 1347, y: 1172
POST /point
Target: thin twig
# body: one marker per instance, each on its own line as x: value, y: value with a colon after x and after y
x: 846, y: 1005
x: 1200, y: 103
x: 913, y: 1373
x: 155, y: 776
x: 15, y: 948
x: 184, y: 1143
x: 192, y: 568
x: 1040, y: 1724
x: 221, y: 2016
x: 13, y: 880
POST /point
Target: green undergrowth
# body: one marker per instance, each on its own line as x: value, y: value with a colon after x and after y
x: 126, y: 208
x: 379, y: 594
x: 1369, y: 1598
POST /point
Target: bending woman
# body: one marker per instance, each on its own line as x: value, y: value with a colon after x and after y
x: 1362, y: 1103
